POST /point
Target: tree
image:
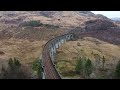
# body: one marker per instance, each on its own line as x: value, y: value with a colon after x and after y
x: 117, y: 70
x: 103, y: 62
x: 79, y: 66
x: 14, y: 70
x: 40, y: 69
x: 97, y: 61
x: 3, y: 72
x: 11, y: 63
x: 16, y: 62
x: 37, y: 66
x: 88, y: 67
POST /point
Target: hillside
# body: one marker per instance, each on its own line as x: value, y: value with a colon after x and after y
x: 61, y: 18
x: 93, y: 46
x: 24, y: 33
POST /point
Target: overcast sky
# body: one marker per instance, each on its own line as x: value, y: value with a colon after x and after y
x: 109, y: 14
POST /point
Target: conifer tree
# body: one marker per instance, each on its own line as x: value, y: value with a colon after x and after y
x: 103, y: 62
x: 117, y: 70
x: 88, y: 67
x: 79, y: 66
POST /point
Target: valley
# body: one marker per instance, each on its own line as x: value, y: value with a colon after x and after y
x: 24, y: 34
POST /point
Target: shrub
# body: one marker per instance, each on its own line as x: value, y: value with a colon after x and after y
x: 13, y: 71
x: 32, y: 23
x: 117, y: 70
x: 37, y: 66
x: 79, y: 66
x: 14, y: 64
x: 37, y: 24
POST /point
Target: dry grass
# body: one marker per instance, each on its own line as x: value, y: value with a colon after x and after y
x: 24, y: 50
x: 88, y: 47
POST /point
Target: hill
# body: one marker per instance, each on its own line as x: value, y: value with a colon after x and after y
x: 94, y: 46
x: 24, y: 33
x: 59, y: 18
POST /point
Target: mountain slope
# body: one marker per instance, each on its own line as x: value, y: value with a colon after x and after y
x: 26, y: 42
x: 61, y: 18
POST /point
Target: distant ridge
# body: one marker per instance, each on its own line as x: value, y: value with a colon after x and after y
x: 116, y: 19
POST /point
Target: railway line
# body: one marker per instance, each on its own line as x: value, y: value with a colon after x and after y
x: 49, y: 52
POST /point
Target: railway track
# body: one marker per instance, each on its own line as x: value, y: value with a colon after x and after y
x: 48, y: 56
x: 49, y: 52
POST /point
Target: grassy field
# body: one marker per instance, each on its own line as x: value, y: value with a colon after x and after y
x: 88, y: 47
x: 25, y: 44
x: 25, y: 50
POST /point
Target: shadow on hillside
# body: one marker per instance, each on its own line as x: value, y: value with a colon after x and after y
x: 110, y: 36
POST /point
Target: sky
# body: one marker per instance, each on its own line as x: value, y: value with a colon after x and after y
x: 109, y: 14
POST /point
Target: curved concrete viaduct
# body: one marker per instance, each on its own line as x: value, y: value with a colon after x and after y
x: 49, y: 52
